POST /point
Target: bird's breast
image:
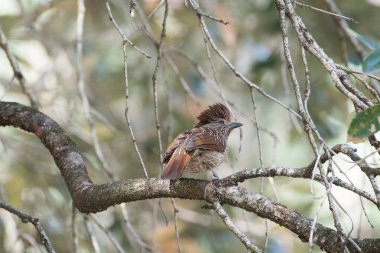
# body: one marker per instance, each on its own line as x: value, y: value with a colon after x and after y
x: 203, y: 159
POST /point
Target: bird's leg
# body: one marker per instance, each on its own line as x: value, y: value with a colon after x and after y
x: 215, y: 178
x: 214, y: 175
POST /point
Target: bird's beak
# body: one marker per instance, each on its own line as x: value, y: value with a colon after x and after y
x: 235, y: 125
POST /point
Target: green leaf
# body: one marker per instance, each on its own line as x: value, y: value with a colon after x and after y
x: 371, y: 44
x: 372, y: 62
x: 365, y: 123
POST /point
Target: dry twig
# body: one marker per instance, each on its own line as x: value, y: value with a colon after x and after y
x: 36, y: 223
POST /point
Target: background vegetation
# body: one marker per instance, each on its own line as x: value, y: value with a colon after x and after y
x: 42, y: 35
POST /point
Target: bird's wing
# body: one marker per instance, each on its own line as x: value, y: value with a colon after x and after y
x: 177, y: 163
x: 205, y: 138
x: 179, y: 152
x: 174, y: 145
x: 176, y: 158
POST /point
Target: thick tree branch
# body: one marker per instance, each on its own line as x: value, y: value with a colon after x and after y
x: 91, y: 198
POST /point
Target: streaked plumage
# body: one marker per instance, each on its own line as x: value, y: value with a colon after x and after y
x: 202, y: 147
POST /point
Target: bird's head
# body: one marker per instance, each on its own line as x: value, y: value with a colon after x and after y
x: 219, y: 115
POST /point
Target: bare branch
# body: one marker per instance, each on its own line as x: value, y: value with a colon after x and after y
x: 17, y: 71
x: 74, y: 229
x: 154, y: 79
x: 110, y: 236
x: 125, y: 39
x: 324, y: 11
x: 90, y: 232
x: 231, y: 226
x: 126, y: 112
x: 176, y: 225
x: 348, y: 70
x: 82, y: 88
x: 36, y: 223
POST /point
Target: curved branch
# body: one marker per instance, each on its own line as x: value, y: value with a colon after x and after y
x: 90, y: 198
x: 87, y: 196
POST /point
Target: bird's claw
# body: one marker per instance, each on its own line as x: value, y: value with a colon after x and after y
x: 214, y: 175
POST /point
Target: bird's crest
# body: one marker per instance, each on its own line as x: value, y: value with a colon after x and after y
x: 213, y: 114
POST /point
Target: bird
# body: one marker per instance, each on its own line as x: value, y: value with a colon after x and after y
x: 201, y: 148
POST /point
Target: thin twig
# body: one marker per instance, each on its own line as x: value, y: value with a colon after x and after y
x: 234, y: 229
x: 82, y: 88
x: 30, y: 239
x: 360, y: 198
x: 368, y: 86
x: 257, y: 128
x: 365, y: 213
x: 324, y: 11
x: 348, y: 70
x: 36, y: 223
x: 328, y: 186
x: 286, y: 86
x: 127, y: 90
x: 154, y: 10
x: 154, y: 78
x: 110, y: 236
x: 74, y: 236
x: 259, y: 145
x: 176, y: 225
x: 125, y: 39
x: 182, y: 80
x: 90, y: 232
x: 361, y: 162
x: 202, y: 13
x: 131, y: 229
x: 213, y: 70
x: 307, y: 92
x: 312, y: 229
x: 17, y: 71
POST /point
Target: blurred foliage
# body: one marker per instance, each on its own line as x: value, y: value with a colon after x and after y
x: 365, y: 123
x: 42, y: 36
x: 372, y: 62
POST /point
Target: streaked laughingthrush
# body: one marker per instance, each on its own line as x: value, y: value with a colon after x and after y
x: 201, y: 148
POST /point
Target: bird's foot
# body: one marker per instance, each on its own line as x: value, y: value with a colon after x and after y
x: 214, y: 175
x: 215, y: 179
